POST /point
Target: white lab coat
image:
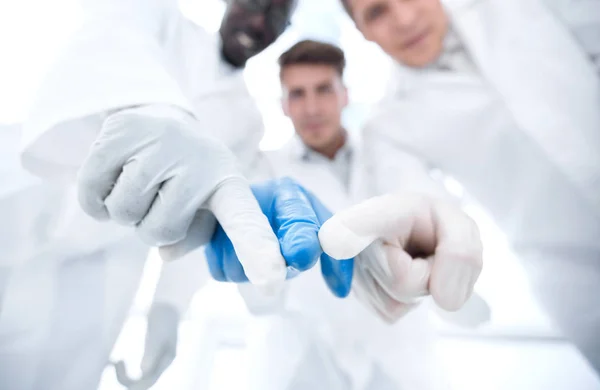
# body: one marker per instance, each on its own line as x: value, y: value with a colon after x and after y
x: 583, y: 21
x: 317, y: 341
x: 521, y: 132
x: 127, y: 53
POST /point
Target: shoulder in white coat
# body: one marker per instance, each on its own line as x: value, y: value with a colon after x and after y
x: 127, y: 53
x: 549, y: 86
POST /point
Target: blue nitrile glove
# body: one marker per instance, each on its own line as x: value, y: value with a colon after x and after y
x: 296, y: 216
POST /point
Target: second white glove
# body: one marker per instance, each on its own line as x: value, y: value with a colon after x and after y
x: 407, y: 246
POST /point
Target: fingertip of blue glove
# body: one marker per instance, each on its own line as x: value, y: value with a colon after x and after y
x: 212, y: 259
x: 216, y: 251
x: 302, y: 249
x: 338, y: 275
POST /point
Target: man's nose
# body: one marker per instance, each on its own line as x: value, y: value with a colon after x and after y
x: 312, y: 105
x: 405, y: 14
x: 256, y: 20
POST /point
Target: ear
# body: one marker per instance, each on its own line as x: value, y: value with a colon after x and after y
x: 366, y: 36
x: 345, y: 97
x: 285, y: 105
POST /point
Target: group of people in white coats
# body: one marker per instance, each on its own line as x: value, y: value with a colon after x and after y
x: 154, y: 119
x: 357, y: 342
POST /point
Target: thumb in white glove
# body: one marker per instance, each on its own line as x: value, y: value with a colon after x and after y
x: 160, y: 348
x: 152, y: 167
x: 419, y: 245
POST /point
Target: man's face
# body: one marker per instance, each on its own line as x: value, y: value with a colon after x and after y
x: 250, y: 26
x: 410, y: 31
x: 313, y: 98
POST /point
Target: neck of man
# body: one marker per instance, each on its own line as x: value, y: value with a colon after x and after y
x: 334, y: 146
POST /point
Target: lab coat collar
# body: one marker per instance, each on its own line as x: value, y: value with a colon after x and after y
x: 301, y: 152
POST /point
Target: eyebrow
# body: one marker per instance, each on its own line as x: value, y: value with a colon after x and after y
x: 377, y: 6
x: 325, y: 84
x: 296, y: 90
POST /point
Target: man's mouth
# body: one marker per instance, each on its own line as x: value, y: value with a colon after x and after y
x: 415, y: 40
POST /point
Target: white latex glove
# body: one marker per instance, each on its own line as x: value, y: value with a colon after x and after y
x: 153, y: 168
x: 411, y: 246
x: 160, y: 349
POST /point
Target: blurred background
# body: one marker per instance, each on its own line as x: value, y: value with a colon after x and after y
x: 518, y: 349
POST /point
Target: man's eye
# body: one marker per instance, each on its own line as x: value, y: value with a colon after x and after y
x: 375, y: 12
x: 251, y: 5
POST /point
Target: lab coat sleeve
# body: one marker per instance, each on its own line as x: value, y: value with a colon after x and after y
x: 582, y: 18
x: 232, y: 115
x: 180, y: 280
x: 261, y: 303
x: 222, y: 103
x: 117, y: 59
x: 395, y: 168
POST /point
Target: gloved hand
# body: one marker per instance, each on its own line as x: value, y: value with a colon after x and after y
x: 295, y: 216
x: 411, y: 245
x: 152, y: 168
x: 160, y: 348
x: 250, y: 26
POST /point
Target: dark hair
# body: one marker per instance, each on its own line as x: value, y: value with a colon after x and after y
x: 310, y: 52
x: 346, y: 4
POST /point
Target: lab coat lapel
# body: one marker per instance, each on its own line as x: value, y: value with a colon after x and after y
x: 314, y: 176
x: 560, y: 106
x: 360, y: 185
